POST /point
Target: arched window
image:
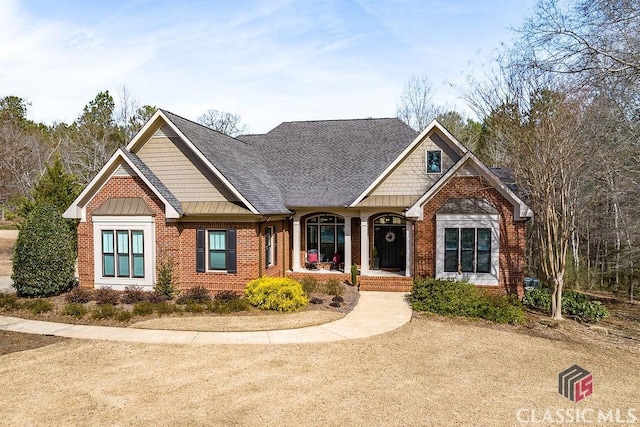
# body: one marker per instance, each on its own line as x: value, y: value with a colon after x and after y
x: 325, y: 233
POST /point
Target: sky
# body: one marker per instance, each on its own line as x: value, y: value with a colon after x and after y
x: 268, y: 61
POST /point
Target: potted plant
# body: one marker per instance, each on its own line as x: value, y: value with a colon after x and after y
x: 376, y: 259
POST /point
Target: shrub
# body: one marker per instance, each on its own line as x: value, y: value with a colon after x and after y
x: 573, y: 304
x: 334, y: 304
x: 44, y: 254
x: 354, y: 274
x: 227, y: 296
x: 75, y: 309
x: 337, y: 298
x: 106, y: 295
x: 464, y: 299
x: 9, y: 302
x: 229, y: 306
x: 197, y: 295
x: 163, y: 308
x: 38, y: 306
x: 276, y: 293
x: 143, y: 308
x: 133, y: 294
x: 103, y: 311
x: 156, y: 298
x: 164, y: 284
x: 316, y: 300
x: 309, y: 284
x: 333, y: 287
x: 194, y: 307
x: 79, y: 295
x: 123, y: 315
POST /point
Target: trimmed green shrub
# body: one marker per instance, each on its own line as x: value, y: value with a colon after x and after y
x: 106, y: 295
x: 276, y: 293
x: 38, y: 306
x: 194, y: 307
x: 134, y: 294
x: 9, y: 302
x: 228, y: 306
x: 79, y: 295
x: 198, y: 295
x: 75, y: 309
x: 354, y: 274
x: 123, y: 315
x: 162, y: 308
x: 573, y: 304
x: 453, y: 298
x: 143, y: 308
x: 44, y: 254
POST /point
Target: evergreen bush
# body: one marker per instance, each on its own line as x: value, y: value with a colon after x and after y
x: 44, y: 254
x: 276, y: 293
x: 573, y: 304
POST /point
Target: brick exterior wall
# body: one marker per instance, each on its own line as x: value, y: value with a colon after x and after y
x: 512, y: 233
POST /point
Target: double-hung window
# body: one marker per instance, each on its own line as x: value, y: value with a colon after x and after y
x: 467, y: 250
x: 123, y: 253
x: 217, y: 249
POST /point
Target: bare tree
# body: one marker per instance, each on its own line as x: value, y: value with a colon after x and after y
x: 416, y: 106
x: 223, y: 122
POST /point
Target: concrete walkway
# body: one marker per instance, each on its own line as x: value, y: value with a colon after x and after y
x: 376, y: 313
x: 6, y: 285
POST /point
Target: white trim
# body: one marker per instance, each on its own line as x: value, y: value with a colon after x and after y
x: 449, y: 139
x: 76, y: 212
x: 144, y: 223
x: 206, y: 161
x: 469, y: 221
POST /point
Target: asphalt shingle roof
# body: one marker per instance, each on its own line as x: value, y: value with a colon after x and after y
x: 239, y: 162
x: 330, y: 162
x: 154, y: 180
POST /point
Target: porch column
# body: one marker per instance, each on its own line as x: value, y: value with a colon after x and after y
x: 408, y: 269
x: 347, y: 244
x: 364, y: 244
x: 296, y: 243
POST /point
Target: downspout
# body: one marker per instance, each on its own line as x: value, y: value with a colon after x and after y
x: 284, y: 251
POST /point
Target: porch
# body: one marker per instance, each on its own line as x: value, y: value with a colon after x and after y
x: 373, y: 280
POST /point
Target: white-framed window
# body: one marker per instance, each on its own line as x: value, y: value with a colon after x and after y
x: 124, y: 254
x: 270, y: 244
x: 217, y: 248
x: 468, y: 247
x: 434, y: 161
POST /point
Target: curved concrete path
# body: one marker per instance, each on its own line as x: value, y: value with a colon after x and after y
x: 376, y: 313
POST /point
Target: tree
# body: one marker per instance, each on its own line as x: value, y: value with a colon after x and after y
x: 44, y: 254
x: 416, y: 106
x: 467, y: 131
x: 223, y: 122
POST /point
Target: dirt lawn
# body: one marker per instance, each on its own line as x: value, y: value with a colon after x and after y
x: 429, y: 372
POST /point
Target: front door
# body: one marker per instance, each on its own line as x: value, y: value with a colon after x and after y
x: 389, y: 242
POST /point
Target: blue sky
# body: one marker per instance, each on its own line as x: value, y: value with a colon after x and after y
x: 269, y: 61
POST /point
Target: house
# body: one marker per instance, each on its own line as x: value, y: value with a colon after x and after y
x: 369, y: 192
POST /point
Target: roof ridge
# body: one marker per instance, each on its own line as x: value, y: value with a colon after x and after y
x: 340, y: 120
x: 197, y: 124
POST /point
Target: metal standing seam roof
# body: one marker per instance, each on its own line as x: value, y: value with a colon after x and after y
x: 129, y: 206
x: 213, y: 208
x: 240, y: 163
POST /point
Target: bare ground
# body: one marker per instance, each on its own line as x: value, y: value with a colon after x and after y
x: 432, y: 371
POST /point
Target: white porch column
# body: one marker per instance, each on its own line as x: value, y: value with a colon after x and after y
x: 347, y: 244
x: 364, y: 244
x: 296, y: 243
x: 408, y: 270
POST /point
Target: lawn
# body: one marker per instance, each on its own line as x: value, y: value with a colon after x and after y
x: 432, y: 371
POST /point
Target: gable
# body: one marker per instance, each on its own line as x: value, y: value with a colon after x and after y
x: 410, y: 177
x: 180, y: 170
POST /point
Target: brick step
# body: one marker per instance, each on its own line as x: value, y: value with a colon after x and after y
x: 386, y: 284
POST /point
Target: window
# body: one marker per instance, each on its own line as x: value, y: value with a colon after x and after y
x: 467, y: 250
x: 325, y: 233
x: 123, y: 256
x: 270, y: 244
x: 217, y: 250
x: 434, y: 161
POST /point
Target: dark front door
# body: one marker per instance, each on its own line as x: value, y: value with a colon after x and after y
x: 389, y: 241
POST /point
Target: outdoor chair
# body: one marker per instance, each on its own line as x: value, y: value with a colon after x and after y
x: 312, y: 259
x: 335, y: 262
